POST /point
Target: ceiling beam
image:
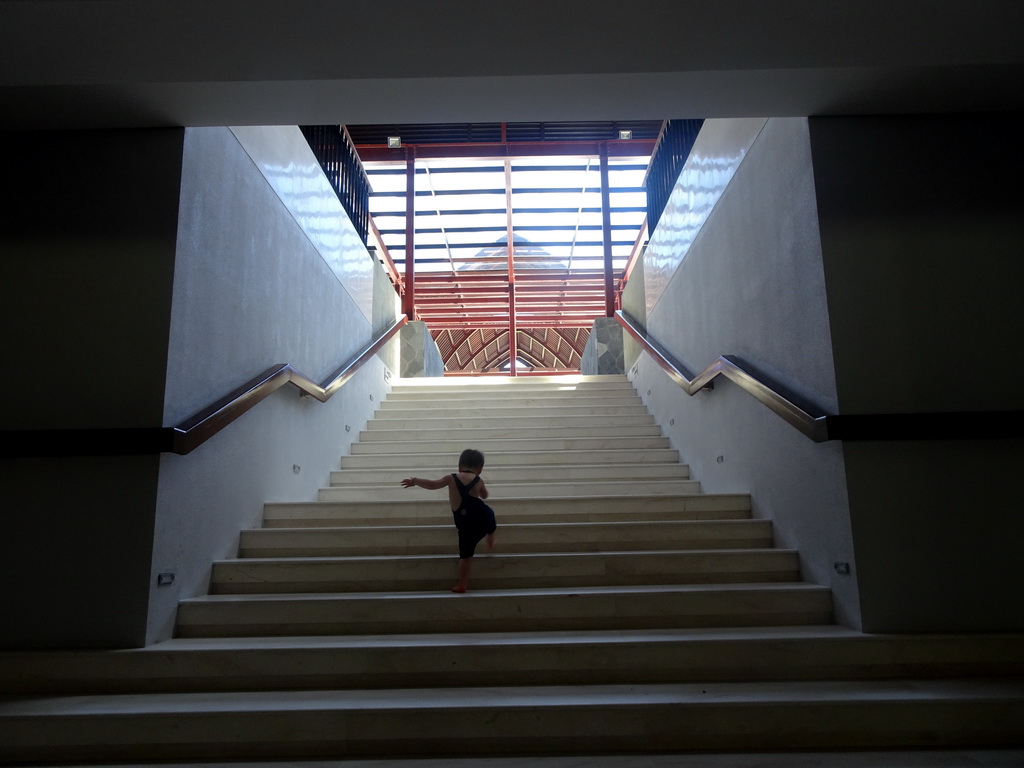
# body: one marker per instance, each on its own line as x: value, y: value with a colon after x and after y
x: 629, y: 148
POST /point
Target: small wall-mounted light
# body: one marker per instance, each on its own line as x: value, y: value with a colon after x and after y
x: 625, y: 135
x: 394, y: 142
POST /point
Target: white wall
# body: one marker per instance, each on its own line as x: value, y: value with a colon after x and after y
x: 268, y: 270
x: 734, y: 267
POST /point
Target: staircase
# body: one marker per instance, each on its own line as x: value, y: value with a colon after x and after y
x: 623, y: 611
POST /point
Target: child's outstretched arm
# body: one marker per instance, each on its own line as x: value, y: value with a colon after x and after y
x: 430, y: 485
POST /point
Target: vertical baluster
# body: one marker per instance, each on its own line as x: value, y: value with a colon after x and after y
x: 340, y: 163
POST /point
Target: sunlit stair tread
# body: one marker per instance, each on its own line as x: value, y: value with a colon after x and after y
x: 638, y: 474
x: 518, y: 458
x: 406, y: 387
x: 501, y: 410
x: 511, y: 382
x: 455, y: 445
x: 521, y: 430
x: 419, y: 419
x: 541, y: 490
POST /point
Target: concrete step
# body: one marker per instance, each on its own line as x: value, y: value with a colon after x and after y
x: 426, y: 420
x: 455, y: 445
x: 505, y: 458
x: 644, y: 607
x: 535, y: 490
x: 701, y: 506
x: 750, y: 654
x: 518, y: 384
x: 617, y: 389
x: 395, y: 540
x: 521, y: 720
x: 543, y: 401
x: 510, y: 382
x: 638, y: 474
x: 497, y: 570
x: 476, y: 384
x: 518, y: 431
x: 501, y: 410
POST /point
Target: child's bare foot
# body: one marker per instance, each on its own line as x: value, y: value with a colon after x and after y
x: 459, y: 588
x: 490, y: 541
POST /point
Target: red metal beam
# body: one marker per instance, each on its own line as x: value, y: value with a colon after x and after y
x: 510, y: 246
x: 606, y: 218
x: 631, y: 148
x: 409, y: 299
x: 498, y: 276
x: 389, y: 263
x: 634, y: 255
x: 538, y: 321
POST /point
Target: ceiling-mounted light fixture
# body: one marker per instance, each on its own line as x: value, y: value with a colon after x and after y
x: 394, y: 142
x: 625, y: 135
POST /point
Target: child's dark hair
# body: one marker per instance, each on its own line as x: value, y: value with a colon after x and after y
x: 471, y: 459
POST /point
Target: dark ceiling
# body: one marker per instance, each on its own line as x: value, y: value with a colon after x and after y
x: 108, y: 63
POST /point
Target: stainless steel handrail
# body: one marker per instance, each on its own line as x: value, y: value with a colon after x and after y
x: 810, y: 424
x: 819, y: 426
x: 197, y: 429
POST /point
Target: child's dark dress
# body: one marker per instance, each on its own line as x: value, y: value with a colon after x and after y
x: 473, y: 518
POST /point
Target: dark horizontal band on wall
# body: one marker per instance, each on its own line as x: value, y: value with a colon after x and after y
x: 994, y: 425
x: 34, y: 443
x: 980, y: 425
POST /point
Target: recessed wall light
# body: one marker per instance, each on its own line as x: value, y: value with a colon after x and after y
x: 394, y: 142
x: 625, y: 135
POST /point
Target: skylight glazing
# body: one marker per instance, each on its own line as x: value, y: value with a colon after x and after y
x: 461, y: 216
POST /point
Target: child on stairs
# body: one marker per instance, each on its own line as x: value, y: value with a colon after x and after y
x: 473, y: 518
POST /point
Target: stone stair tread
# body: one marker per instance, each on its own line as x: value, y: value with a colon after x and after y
x: 384, y: 430
x: 269, y: 574
x: 518, y: 444
x: 544, y: 490
x: 531, y: 410
x: 531, y: 400
x: 590, y: 696
x: 442, y: 467
x: 604, y: 484
x: 564, y: 381
x: 555, y: 458
x: 435, y: 524
x: 422, y: 500
x: 752, y: 551
x: 825, y: 652
x: 662, y: 509
x: 432, y: 501
x: 833, y: 632
x: 416, y: 419
x: 492, y: 594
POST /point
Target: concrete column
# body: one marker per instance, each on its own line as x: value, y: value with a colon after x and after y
x: 419, y: 355
x: 604, y: 351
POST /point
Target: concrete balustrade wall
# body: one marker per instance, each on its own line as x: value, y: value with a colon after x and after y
x: 870, y: 265
x: 269, y: 270
x: 734, y: 267
x: 149, y: 273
